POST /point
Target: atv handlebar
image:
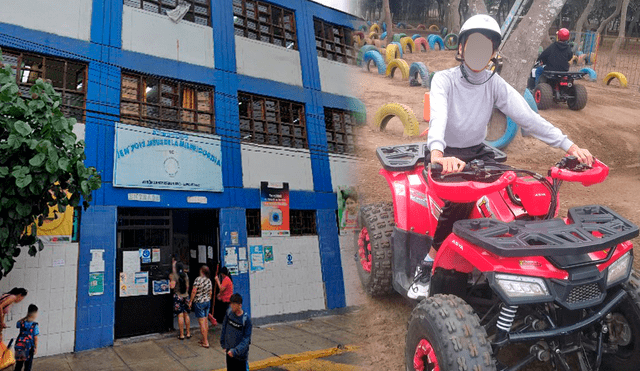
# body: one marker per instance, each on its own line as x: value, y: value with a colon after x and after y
x: 467, y: 191
x: 596, y: 174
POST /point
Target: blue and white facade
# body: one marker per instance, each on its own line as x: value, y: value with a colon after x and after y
x: 114, y: 39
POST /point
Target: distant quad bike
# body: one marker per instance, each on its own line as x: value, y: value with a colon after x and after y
x: 512, y: 274
x: 558, y: 87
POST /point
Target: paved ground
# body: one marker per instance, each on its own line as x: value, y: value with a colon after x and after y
x: 297, y: 346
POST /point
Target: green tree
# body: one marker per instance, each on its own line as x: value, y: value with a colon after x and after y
x: 41, y: 164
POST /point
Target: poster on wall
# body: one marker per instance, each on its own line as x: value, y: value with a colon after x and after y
x: 348, y: 209
x: 243, y: 266
x: 274, y: 209
x: 257, y: 258
x: 161, y: 287
x: 134, y: 284
x: 268, y: 254
x: 57, y: 227
x: 145, y: 256
x: 162, y: 159
x: 96, y: 284
x: 130, y: 261
x: 231, y: 259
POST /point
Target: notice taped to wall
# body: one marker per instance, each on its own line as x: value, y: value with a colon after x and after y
x: 134, y: 284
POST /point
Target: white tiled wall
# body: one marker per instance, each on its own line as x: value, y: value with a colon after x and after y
x: 335, y: 77
x: 52, y: 289
x: 352, y: 286
x: 267, y: 61
x: 276, y: 164
x: 282, y: 288
x: 155, y: 34
x: 71, y: 18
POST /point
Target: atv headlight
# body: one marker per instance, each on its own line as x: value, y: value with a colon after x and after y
x: 521, y: 286
x: 619, y: 269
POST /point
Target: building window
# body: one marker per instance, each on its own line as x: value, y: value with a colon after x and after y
x: 301, y: 222
x: 67, y: 77
x: 199, y: 10
x: 262, y: 21
x: 340, y: 126
x: 272, y: 121
x: 334, y: 42
x: 166, y: 104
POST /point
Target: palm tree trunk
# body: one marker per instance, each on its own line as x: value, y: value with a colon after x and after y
x: 387, y: 18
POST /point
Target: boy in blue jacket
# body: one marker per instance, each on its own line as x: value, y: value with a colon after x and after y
x: 236, y: 335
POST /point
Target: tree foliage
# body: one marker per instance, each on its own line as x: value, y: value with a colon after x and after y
x: 41, y: 164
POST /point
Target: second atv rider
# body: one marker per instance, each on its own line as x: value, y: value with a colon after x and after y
x: 557, y: 56
x: 462, y: 101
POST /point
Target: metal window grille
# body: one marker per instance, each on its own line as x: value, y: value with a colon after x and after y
x: 199, y: 10
x: 266, y: 22
x: 340, y: 125
x: 334, y: 42
x: 67, y: 77
x: 153, y: 102
x: 272, y: 121
x: 301, y: 222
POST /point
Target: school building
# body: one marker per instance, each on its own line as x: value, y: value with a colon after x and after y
x: 186, y: 108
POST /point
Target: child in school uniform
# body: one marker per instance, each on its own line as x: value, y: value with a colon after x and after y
x: 27, y: 342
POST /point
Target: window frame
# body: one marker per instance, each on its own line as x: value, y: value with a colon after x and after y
x: 268, y: 23
x: 332, y: 133
x: 160, y: 122
x: 162, y: 8
x: 348, y: 56
x: 64, y: 91
x: 250, y: 134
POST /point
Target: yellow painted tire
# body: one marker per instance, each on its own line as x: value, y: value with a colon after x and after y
x: 374, y: 35
x: 407, y: 41
x: 392, y: 53
x: 404, y: 113
x: 434, y: 28
x: 574, y: 60
x: 400, y: 64
x: 613, y: 75
x: 383, y: 51
x: 375, y: 28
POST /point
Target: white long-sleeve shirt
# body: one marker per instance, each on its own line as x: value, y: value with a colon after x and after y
x: 460, y: 111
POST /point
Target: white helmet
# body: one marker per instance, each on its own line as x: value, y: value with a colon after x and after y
x: 484, y: 24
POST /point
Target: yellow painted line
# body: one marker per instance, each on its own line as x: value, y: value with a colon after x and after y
x: 318, y: 364
x: 298, y: 357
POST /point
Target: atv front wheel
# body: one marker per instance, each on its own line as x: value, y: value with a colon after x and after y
x: 626, y: 328
x: 373, y: 248
x: 445, y: 334
x: 543, y: 95
x: 579, y: 100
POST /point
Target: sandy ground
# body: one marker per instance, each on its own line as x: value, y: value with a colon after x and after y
x: 609, y: 127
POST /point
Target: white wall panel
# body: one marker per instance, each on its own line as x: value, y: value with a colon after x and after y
x: 156, y: 34
x: 343, y: 170
x: 335, y: 77
x: 276, y: 164
x: 281, y: 288
x: 267, y: 61
x: 71, y: 18
x: 352, y: 286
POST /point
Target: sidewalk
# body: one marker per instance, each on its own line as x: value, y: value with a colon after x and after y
x: 270, y: 347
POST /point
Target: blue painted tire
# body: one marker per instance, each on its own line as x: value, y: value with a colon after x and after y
x: 435, y: 39
x: 364, y: 28
x: 512, y: 127
x: 593, y: 76
x: 368, y: 23
x: 384, y: 26
x: 383, y: 36
x: 415, y: 36
x: 418, y: 69
x: 376, y: 57
x: 399, y: 46
x: 401, y: 25
x: 579, y: 53
x: 362, y: 51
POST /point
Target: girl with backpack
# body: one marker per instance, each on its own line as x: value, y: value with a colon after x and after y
x: 180, y: 286
x: 27, y: 342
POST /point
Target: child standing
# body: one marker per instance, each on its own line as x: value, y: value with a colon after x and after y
x: 236, y: 335
x: 27, y: 342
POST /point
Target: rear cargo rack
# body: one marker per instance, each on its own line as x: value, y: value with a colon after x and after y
x: 550, y: 237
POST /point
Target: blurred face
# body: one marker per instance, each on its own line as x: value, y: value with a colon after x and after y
x: 478, y: 51
x: 351, y: 205
x: 236, y: 308
x: 33, y: 316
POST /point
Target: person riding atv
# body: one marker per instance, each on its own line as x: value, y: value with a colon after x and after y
x: 557, y: 56
x: 462, y: 101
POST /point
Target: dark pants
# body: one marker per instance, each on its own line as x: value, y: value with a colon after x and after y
x: 27, y: 364
x: 452, y: 212
x: 220, y: 310
x: 236, y: 364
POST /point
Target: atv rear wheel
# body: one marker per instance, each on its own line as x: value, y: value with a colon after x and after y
x: 628, y: 356
x: 444, y: 333
x: 579, y: 100
x: 373, y: 248
x: 543, y: 95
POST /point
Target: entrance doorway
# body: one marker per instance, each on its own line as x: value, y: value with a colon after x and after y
x: 164, y: 233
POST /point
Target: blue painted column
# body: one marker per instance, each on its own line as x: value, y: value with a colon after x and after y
x: 330, y: 260
x: 95, y: 315
x: 234, y: 220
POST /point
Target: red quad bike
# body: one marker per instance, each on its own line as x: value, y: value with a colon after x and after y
x: 512, y: 276
x: 558, y: 87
